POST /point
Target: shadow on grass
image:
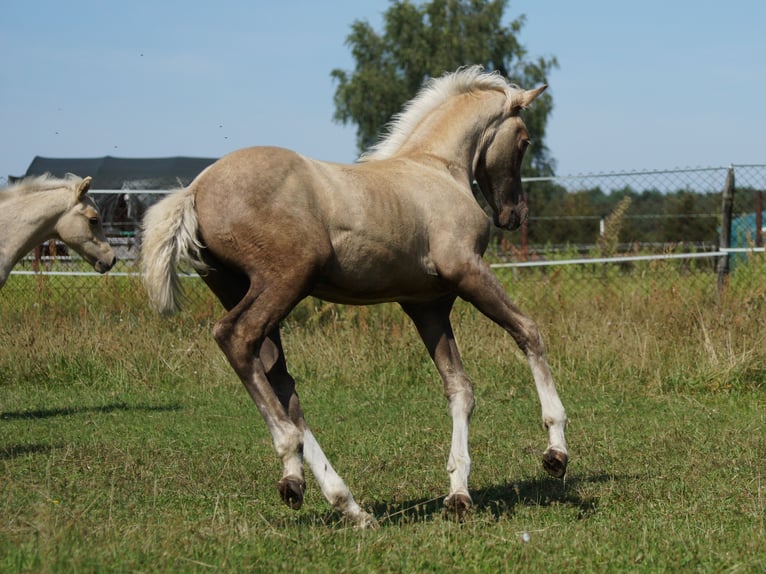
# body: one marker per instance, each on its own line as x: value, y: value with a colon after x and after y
x: 497, y: 501
x: 503, y: 499
x: 68, y: 411
x: 17, y: 450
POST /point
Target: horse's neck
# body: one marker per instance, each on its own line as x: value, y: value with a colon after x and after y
x: 453, y: 132
x: 26, y: 220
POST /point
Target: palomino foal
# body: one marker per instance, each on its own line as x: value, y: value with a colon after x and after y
x: 41, y: 208
x: 266, y: 227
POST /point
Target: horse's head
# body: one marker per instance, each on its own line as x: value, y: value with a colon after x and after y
x: 80, y: 228
x: 497, y: 161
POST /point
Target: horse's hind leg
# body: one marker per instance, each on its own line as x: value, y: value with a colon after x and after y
x: 333, y: 488
x: 433, y: 324
x: 242, y: 336
x: 235, y: 292
x: 292, y: 485
x: 249, y: 337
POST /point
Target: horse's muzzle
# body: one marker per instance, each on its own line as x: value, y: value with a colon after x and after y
x: 511, y: 217
x: 103, y: 266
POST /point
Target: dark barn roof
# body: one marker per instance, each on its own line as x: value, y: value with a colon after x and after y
x: 122, y: 173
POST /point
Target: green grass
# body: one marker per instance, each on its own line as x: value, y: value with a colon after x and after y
x: 128, y: 445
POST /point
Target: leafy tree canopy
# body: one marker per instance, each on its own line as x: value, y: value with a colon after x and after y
x: 426, y: 40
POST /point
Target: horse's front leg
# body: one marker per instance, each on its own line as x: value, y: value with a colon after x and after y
x: 479, y: 286
x: 555, y: 457
x: 433, y: 324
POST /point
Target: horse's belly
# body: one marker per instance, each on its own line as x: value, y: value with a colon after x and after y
x: 350, y: 297
x: 364, y: 286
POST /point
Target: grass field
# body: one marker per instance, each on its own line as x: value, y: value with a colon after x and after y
x: 128, y: 445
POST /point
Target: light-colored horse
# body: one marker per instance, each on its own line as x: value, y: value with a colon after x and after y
x: 41, y: 208
x: 266, y: 227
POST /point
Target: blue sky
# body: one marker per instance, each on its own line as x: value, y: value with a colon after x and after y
x: 640, y: 85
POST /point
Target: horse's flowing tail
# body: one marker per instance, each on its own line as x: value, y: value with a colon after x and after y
x: 169, y: 240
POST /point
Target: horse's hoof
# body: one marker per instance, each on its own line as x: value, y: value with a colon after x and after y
x: 291, y: 489
x: 555, y: 463
x: 364, y: 520
x: 459, y: 503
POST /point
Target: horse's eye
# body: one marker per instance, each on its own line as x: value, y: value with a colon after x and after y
x: 93, y: 220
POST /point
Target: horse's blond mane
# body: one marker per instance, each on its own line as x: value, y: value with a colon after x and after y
x: 42, y: 183
x: 430, y: 96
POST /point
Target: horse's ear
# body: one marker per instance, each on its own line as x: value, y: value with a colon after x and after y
x: 523, y: 99
x: 84, y: 186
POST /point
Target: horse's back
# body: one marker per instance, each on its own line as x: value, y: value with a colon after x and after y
x: 251, y: 183
x: 366, y: 232
x: 257, y: 205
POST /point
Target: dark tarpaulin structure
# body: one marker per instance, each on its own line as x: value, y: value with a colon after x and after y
x: 123, y: 173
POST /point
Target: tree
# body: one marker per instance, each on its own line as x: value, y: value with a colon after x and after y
x: 426, y: 40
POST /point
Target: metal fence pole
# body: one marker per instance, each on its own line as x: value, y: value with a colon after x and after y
x: 725, y: 239
x: 758, y: 219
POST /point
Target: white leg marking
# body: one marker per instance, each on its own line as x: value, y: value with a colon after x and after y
x: 459, y: 461
x: 334, y: 489
x: 286, y: 442
x: 554, y: 416
x: 285, y: 436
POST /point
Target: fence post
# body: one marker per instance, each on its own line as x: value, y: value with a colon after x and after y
x: 525, y: 232
x: 725, y: 239
x: 758, y: 219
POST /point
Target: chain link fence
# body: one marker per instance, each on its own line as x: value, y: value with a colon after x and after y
x: 601, y: 235
x: 639, y: 232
